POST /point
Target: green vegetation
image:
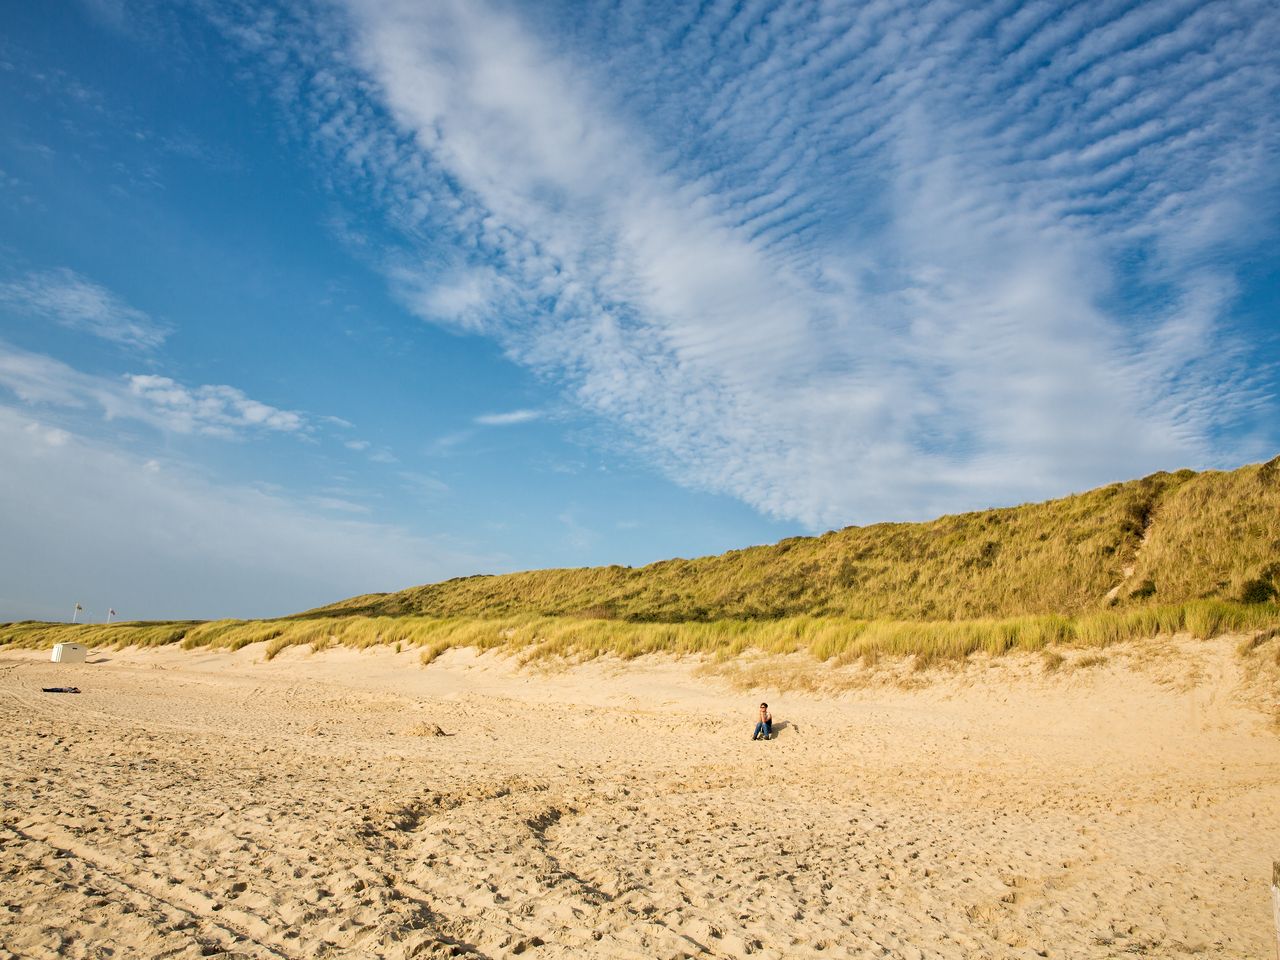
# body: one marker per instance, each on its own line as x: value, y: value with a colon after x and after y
x: 1208, y: 535
x: 1183, y: 552
x: 533, y: 637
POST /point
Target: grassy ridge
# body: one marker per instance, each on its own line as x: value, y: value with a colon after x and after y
x: 1217, y: 534
x: 534, y: 637
x: 1187, y: 536
x: 1189, y: 552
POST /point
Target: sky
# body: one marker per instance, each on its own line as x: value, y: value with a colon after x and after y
x: 300, y: 300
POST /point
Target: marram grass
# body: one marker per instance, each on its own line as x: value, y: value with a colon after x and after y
x: 1181, y: 552
x: 1166, y: 539
x: 534, y: 637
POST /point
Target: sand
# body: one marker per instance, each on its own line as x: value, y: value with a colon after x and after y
x: 355, y: 804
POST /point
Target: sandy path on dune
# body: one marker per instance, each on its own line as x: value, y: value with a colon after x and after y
x: 209, y: 804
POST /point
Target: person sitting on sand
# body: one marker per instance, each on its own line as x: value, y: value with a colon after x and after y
x: 764, y: 728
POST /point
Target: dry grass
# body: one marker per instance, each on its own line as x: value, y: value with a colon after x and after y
x: 1052, y: 661
x: 1023, y: 578
x: 35, y: 634
x: 1252, y: 642
x: 1217, y: 534
x: 1189, y: 536
x: 838, y: 641
x: 1087, y: 661
x: 1260, y: 653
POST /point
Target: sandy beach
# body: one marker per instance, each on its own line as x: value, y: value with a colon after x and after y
x: 355, y: 804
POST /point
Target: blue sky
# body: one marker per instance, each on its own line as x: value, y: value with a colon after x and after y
x: 302, y: 300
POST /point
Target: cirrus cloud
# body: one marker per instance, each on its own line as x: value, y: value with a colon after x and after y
x: 162, y: 538
x: 66, y: 298
x: 508, y: 419
x: 847, y: 264
x: 161, y: 402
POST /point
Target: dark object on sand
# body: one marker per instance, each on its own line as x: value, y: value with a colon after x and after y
x: 60, y: 689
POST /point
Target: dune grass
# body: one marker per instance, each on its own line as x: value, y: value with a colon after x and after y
x: 36, y: 634
x: 532, y: 637
x: 1182, y: 536
x: 1171, y: 553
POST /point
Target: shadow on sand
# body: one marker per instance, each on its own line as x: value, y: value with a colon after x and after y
x: 778, y: 727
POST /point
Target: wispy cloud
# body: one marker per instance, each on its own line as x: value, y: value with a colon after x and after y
x: 449, y: 444
x: 164, y: 539
x: 423, y: 485
x: 878, y: 262
x: 70, y: 300
x: 576, y: 534
x: 338, y: 505
x: 210, y: 410
x: 216, y: 410
x: 508, y: 419
x: 110, y: 13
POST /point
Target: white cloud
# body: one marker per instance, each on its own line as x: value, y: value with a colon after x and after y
x: 449, y: 444
x: 159, y: 539
x: 508, y: 419
x: 210, y: 410
x: 381, y: 455
x: 423, y: 485
x: 577, y: 535
x: 214, y: 410
x: 890, y: 261
x: 338, y: 505
x: 463, y: 299
x: 70, y: 300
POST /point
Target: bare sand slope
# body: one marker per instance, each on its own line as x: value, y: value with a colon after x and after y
x: 207, y: 804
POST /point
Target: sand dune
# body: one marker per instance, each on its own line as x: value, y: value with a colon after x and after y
x: 209, y: 804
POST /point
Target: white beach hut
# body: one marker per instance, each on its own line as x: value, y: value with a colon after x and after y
x: 69, y: 653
